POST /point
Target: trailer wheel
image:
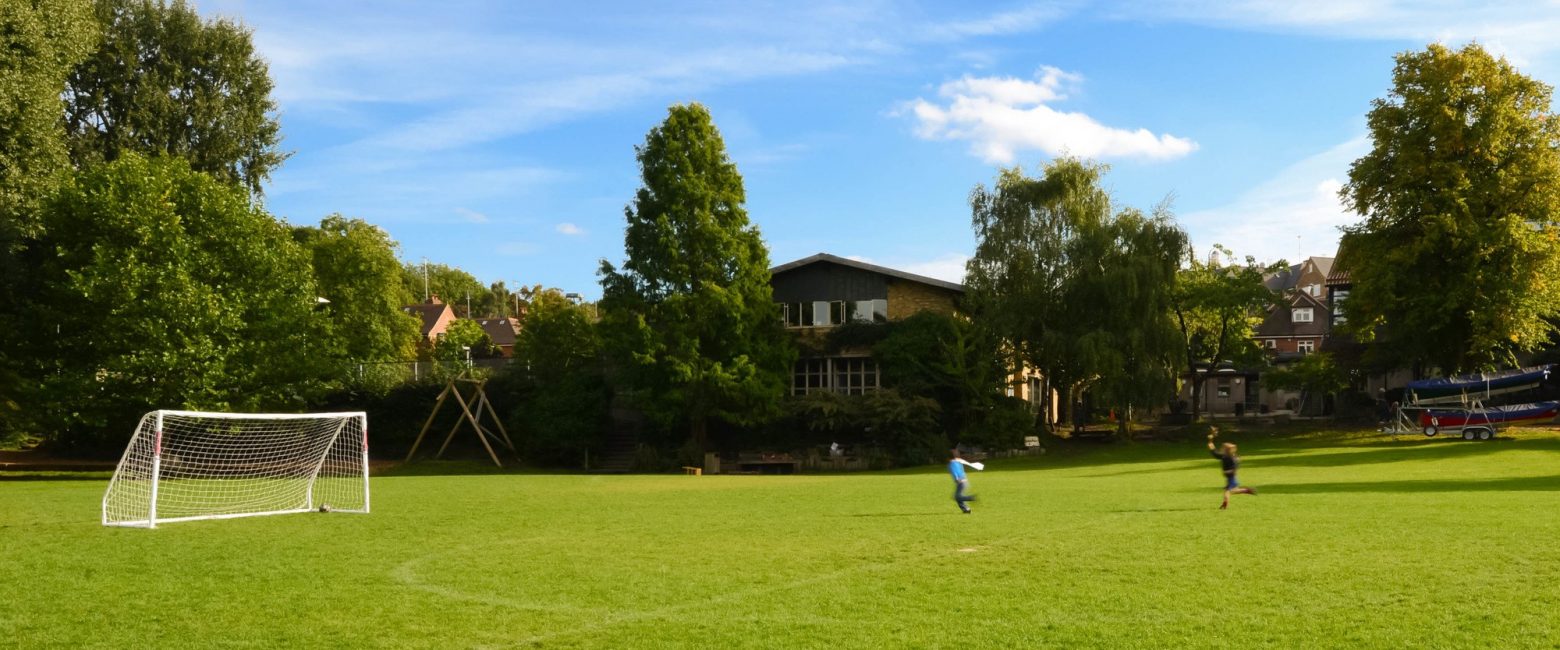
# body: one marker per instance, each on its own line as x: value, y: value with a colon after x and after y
x: 1469, y: 434
x: 1486, y: 434
x: 1431, y: 430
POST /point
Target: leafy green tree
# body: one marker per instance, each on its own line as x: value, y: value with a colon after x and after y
x: 1119, y: 301
x: 463, y: 339
x: 1016, y: 279
x: 691, y: 314
x: 1455, y: 258
x: 356, y: 270
x: 40, y: 42
x: 561, y: 406
x: 449, y: 283
x: 1217, y: 309
x: 156, y: 286
x: 1314, y: 375
x: 1078, y: 291
x: 954, y: 361
x: 165, y: 81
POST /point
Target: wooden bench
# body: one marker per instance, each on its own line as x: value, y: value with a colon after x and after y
x: 693, y: 471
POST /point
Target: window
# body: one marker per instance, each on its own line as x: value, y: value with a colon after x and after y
x: 809, y: 375
x: 1339, y: 295
x: 1306, y: 346
x: 820, y: 310
x: 823, y: 313
x: 1224, y: 388
x: 854, y: 376
x: 1270, y: 344
x: 1314, y: 289
x: 851, y: 375
x: 1301, y: 315
x: 798, y: 314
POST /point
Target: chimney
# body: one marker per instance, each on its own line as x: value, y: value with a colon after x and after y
x: 433, y: 299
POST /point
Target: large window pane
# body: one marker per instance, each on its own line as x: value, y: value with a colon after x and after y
x: 820, y: 311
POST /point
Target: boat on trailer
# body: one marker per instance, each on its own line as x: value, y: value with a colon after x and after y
x: 1456, y: 404
x: 1453, y: 390
x: 1481, y: 423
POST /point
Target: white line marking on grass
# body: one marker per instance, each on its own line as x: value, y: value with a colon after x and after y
x: 733, y: 596
x: 406, y: 573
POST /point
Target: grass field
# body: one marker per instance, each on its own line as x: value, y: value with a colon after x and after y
x: 1355, y: 541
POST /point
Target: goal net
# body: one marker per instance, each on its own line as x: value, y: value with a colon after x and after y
x: 187, y: 465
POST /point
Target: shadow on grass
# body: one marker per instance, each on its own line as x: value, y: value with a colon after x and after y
x: 1139, y: 510
x: 55, y: 476
x: 1294, y: 453
x: 901, y: 514
x: 1513, y: 484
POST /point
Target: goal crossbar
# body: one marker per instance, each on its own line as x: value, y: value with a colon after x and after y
x: 193, y: 465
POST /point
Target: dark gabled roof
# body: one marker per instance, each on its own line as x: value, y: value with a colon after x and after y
x: 500, y: 330
x: 429, y: 313
x: 1278, y: 324
x: 872, y: 268
x: 1288, y: 278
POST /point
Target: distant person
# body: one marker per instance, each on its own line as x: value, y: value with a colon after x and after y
x: 956, y: 467
x: 1231, y: 461
x: 835, y: 451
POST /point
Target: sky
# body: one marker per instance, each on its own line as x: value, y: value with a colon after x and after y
x: 499, y: 137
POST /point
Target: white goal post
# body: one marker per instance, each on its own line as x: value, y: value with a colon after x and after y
x: 189, y: 465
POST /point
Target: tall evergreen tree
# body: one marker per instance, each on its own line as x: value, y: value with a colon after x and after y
x: 691, y: 314
x: 1455, y: 259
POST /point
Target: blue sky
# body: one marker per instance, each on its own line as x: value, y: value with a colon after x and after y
x: 499, y: 136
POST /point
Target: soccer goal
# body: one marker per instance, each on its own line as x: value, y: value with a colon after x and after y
x: 188, y: 465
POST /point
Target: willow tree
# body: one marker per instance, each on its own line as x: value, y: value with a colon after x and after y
x: 1119, y: 302
x: 690, y: 314
x: 1456, y: 258
x: 1079, y: 291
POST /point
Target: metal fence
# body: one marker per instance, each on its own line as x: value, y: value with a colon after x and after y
x: 410, y: 371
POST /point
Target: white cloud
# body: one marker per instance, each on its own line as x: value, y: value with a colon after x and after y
x: 1522, y: 29
x: 1000, y: 116
x: 570, y: 229
x: 1300, y: 201
x: 472, y: 215
x: 1019, y: 20
x: 948, y: 267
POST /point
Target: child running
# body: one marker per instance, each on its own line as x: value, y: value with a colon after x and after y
x: 1231, y: 463
x: 960, y: 483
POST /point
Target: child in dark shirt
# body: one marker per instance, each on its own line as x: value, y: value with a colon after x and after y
x: 1231, y: 463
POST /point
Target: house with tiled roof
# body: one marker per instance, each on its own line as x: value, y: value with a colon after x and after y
x: 503, y: 332
x: 435, y: 316
x: 822, y: 291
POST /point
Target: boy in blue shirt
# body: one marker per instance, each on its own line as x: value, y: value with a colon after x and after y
x: 960, y: 483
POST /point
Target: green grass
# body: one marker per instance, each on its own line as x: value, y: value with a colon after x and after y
x: 1355, y: 541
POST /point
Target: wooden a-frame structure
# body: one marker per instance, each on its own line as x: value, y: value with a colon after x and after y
x: 470, y: 412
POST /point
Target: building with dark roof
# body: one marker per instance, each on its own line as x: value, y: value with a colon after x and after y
x: 503, y: 331
x: 435, y: 316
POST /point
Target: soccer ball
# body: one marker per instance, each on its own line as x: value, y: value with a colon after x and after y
x: 324, y: 507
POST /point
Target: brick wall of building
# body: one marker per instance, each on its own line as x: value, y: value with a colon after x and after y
x: 906, y: 299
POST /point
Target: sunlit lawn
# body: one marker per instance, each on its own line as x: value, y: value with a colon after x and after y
x: 1354, y: 541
